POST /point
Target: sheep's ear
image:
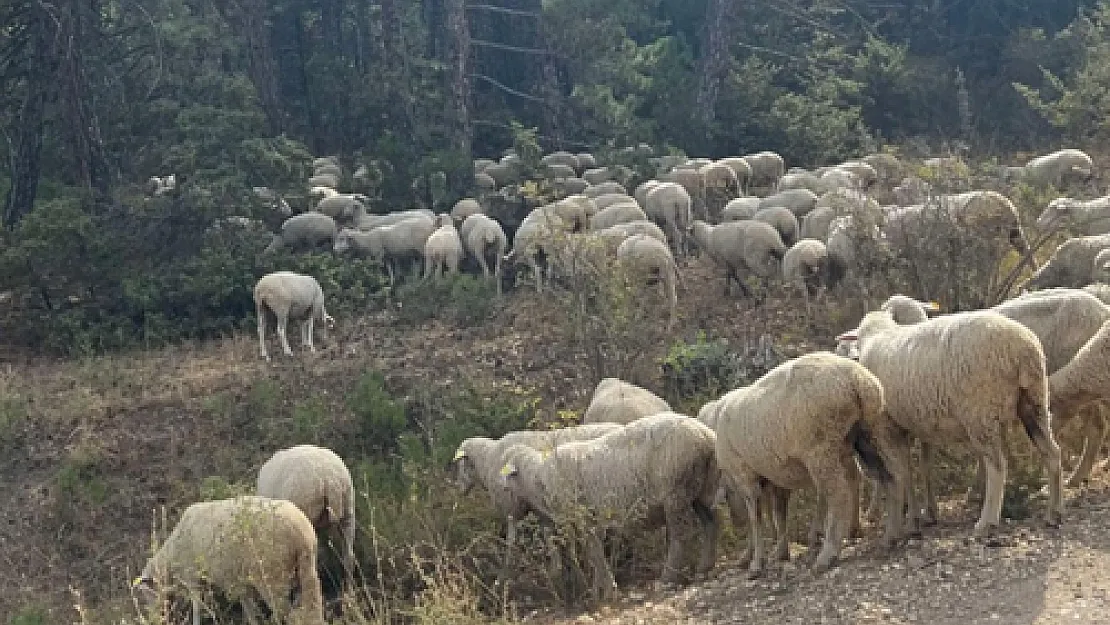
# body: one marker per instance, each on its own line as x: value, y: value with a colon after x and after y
x: 508, y: 470
x: 931, y: 307
x: 142, y: 583
x: 850, y: 335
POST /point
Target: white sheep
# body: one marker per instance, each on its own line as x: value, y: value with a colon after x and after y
x: 1071, y: 264
x: 651, y: 259
x: 816, y: 224
x: 1052, y: 169
x: 620, y: 232
x: 886, y: 165
x: 799, y: 201
x: 161, y: 185
x: 585, y: 161
x: 741, y: 169
x: 617, y: 401
x: 364, y: 221
x: 740, y: 209
x: 721, y: 185
x: 664, y: 462
x: 318, y: 482
x: 1083, y: 217
x: 478, y: 461
x: 484, y: 238
x: 741, y: 248
x: 912, y: 190
x: 484, y: 182
x: 805, y: 266
x: 288, y: 295
x: 694, y: 184
x: 800, y: 425
x: 343, y: 206
x: 329, y: 180
x: 538, y: 236
x: 767, y: 168
x: 802, y: 179
x: 961, y: 377
x: 465, y: 208
x: 603, y: 188
x: 605, y: 200
x: 1078, y: 384
x: 989, y: 214
x: 669, y: 205
x: 782, y: 219
x: 565, y: 159
x: 443, y: 250
x: 1100, y: 289
x: 251, y: 548
x: 617, y: 214
x: 1100, y: 272
x: 397, y: 242
x: 308, y: 230
x: 273, y: 200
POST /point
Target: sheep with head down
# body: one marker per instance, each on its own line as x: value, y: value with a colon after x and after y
x: 669, y: 205
x: 742, y: 248
x: 797, y: 426
x: 485, y: 240
x: 660, y: 466
x: 288, y: 295
x: 1088, y: 217
x: 443, y: 250
x: 1053, y: 169
x: 1071, y: 265
x: 307, y: 231
x: 650, y: 260
x: 617, y: 401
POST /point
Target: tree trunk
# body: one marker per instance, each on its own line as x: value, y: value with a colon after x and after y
x: 458, y: 30
x: 26, y: 154
x: 715, y: 48
x: 251, y: 21
x: 81, y: 121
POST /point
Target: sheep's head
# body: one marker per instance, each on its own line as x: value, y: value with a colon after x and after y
x: 1102, y: 267
x: 342, y: 242
x: 907, y: 310
x: 463, y: 471
x: 1057, y: 210
x: 145, y: 590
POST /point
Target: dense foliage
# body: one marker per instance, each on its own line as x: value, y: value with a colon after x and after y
x: 97, y: 97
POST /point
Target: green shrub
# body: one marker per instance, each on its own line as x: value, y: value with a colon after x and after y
x: 461, y: 299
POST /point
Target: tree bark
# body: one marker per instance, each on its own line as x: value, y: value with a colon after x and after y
x: 715, y: 49
x: 81, y: 121
x: 251, y: 19
x: 26, y: 153
x: 458, y: 30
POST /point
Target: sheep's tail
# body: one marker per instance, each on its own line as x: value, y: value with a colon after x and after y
x: 1032, y: 404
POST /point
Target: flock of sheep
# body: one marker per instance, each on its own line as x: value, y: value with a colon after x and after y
x: 822, y: 420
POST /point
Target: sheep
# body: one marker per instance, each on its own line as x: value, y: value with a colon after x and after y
x: 395, y: 242
x: 694, y: 184
x: 325, y: 161
x: 288, y: 295
x: 1080, y: 382
x: 443, y: 250
x: 960, y: 377
x: 317, y: 481
x: 484, y: 182
x: 565, y: 159
x: 641, y: 191
x: 502, y: 173
x: 740, y: 209
x: 802, y: 180
x: 161, y: 185
x: 308, y: 230
x: 864, y: 174
x: 816, y: 224
x: 835, y: 178
x: 644, y: 255
x: 602, y: 188
x: 1100, y: 272
x: 912, y: 190
x: 848, y: 201
x: 617, y: 214
x: 781, y: 219
x: 886, y: 166
x: 668, y: 204
x: 478, y: 461
x: 1071, y: 265
x: 721, y: 185
x: 906, y: 310
x: 363, y: 221
x: 571, y: 186
x: 483, y: 236
x: 606, y: 200
x: 806, y: 265
x: 1089, y: 217
x: 465, y: 208
x: 987, y: 213
x: 536, y: 238
x: 315, y: 194
x: 1052, y: 169
x: 665, y: 461
x: 741, y: 169
x: 617, y: 401
x: 741, y: 247
x: 797, y: 426
x: 331, y: 169
x: 250, y: 548
x: 586, y: 161
x: 1100, y: 289
x: 558, y: 172
x: 799, y: 201
x: 342, y: 206
x: 480, y: 164
x: 274, y: 201
x: 324, y: 180
x: 767, y: 169
x: 599, y: 175
x: 848, y: 237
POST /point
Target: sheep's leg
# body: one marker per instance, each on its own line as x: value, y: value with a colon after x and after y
x: 306, y: 334
x: 995, y: 463
x: 427, y: 268
x: 680, y: 520
x: 779, y: 506
x: 604, y: 583
x: 851, y: 469
x: 497, y: 273
x: 737, y: 511
x: 875, y: 502
x: 834, y: 487
x: 897, y: 459
x: 282, y: 321
x: 260, y: 312
x: 347, y: 530
x: 1094, y: 431
x: 484, y: 265
x: 752, y: 491
x: 196, y: 607
x: 930, y: 516
x: 1050, y: 455
x: 711, y: 526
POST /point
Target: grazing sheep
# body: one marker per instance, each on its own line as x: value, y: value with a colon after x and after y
x: 364, y: 221
x: 536, y: 239
x: 848, y: 237
x: 1083, y: 217
x: 586, y: 161
x: 1071, y: 265
x: 662, y: 462
x: 740, y: 209
x: 782, y: 219
x: 606, y: 200
x: 617, y: 401
x: 741, y: 169
x: 816, y: 223
x: 767, y: 168
x: 394, y: 243
x: 503, y: 173
x: 603, y: 188
x: 721, y: 185
x: 324, y: 180
x: 834, y: 179
x: 669, y: 205
x: 317, y: 481
x: 465, y: 208
x: 650, y: 257
x: 315, y: 194
x: 806, y: 266
x: 1100, y: 289
x: 987, y: 213
x: 443, y: 250
x: 1100, y: 272
x: 617, y: 214
x: 309, y: 230
x: 848, y: 201
x: 289, y: 295
x: 566, y: 159
x: 478, y: 461
x: 863, y: 173
x: 599, y: 175
x: 325, y: 161
x: 571, y: 186
x: 484, y: 182
x: 694, y: 184
x: 799, y: 201
x: 741, y: 247
x: 483, y: 237
x: 329, y: 169
x: 273, y: 201
x: 961, y: 377
x: 555, y: 172
x: 886, y: 165
x: 251, y: 548
x: 1052, y: 169
x: 342, y: 206
x: 1081, y: 382
x: 912, y: 190
x: 799, y: 425
x: 906, y: 310
x: 802, y: 179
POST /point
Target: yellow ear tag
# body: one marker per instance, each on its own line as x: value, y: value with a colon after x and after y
x: 506, y: 470
x: 135, y: 583
x: 458, y: 455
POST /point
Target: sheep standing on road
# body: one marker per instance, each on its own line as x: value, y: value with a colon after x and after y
x: 662, y: 462
x: 317, y: 481
x: 964, y: 377
x: 799, y: 425
x: 288, y: 295
x: 250, y: 548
